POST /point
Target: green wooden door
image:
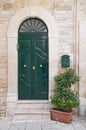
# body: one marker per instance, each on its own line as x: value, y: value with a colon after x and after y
x: 33, y: 66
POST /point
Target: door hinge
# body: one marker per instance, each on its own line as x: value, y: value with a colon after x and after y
x: 17, y: 47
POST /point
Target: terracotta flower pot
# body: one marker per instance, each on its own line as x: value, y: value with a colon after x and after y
x: 61, y: 116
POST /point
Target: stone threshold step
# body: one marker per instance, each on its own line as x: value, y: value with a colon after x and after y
x: 32, y: 116
x: 32, y: 110
x: 33, y: 101
x: 33, y: 113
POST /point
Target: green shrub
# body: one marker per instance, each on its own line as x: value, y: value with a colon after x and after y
x: 64, y: 99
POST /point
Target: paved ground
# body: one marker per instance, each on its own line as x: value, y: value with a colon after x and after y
x: 9, y: 124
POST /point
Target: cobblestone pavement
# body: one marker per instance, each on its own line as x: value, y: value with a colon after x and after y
x: 9, y: 124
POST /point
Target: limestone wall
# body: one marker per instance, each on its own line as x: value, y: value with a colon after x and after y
x: 4, y: 21
x: 70, y: 16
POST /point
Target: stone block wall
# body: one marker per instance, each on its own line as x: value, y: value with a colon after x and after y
x: 4, y: 21
x: 64, y: 15
x: 69, y: 16
x: 3, y: 63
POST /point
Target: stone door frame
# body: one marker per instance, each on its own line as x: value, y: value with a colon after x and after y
x: 12, y: 36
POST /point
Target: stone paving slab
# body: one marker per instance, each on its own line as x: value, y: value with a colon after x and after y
x: 78, y: 124
x: 9, y: 124
x: 5, y: 124
x: 18, y: 126
x: 83, y: 121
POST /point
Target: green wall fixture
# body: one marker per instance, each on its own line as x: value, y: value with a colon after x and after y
x: 65, y: 61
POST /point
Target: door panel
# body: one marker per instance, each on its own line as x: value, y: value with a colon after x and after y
x: 41, y: 73
x: 33, y: 67
x: 24, y: 67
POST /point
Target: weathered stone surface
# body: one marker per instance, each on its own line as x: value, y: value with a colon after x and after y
x: 62, y: 6
x: 76, y: 124
x: 69, y: 36
x: 50, y: 4
x: 7, y: 6
x: 18, y: 126
x: 3, y: 63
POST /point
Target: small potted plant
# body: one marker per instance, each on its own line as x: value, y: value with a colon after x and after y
x: 64, y: 99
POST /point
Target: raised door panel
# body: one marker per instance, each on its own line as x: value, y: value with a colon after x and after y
x: 41, y: 71
x: 24, y: 68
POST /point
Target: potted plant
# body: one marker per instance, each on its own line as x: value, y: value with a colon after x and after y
x: 64, y: 99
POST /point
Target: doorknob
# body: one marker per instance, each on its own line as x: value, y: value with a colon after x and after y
x: 41, y: 66
x: 33, y: 67
x: 25, y: 65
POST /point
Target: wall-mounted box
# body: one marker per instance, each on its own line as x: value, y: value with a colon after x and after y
x: 65, y: 61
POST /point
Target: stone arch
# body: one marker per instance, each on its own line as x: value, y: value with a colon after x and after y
x: 12, y: 35
x: 32, y: 11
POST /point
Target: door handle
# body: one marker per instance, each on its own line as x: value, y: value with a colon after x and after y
x: 41, y: 66
x: 33, y: 67
x: 25, y: 65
